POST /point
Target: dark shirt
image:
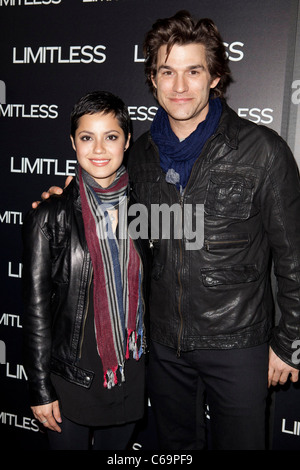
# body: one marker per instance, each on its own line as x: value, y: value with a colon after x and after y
x: 97, y: 405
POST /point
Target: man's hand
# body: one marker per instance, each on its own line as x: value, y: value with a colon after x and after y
x: 52, y: 190
x: 279, y: 371
x: 48, y: 415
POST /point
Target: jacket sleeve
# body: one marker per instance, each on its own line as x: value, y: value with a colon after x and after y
x: 37, y: 288
x: 280, y: 205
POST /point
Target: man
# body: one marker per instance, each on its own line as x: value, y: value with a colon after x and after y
x: 211, y: 307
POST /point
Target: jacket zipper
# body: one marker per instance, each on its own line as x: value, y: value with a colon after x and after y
x: 181, y: 250
x: 179, y: 302
x: 208, y: 243
x: 85, y: 314
x: 180, y: 245
x: 180, y: 287
x: 180, y: 258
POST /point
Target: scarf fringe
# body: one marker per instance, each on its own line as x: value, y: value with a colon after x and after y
x: 110, y: 378
x: 132, y: 340
x: 110, y: 375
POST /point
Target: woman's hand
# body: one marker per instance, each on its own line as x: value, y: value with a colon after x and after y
x: 48, y: 415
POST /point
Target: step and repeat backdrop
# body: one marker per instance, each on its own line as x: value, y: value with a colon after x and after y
x: 54, y: 51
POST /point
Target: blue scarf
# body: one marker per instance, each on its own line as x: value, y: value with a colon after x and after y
x: 177, y: 157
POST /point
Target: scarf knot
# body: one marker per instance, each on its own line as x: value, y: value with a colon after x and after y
x: 177, y: 157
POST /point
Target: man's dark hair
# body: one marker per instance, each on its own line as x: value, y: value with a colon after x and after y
x: 182, y: 29
x: 101, y: 102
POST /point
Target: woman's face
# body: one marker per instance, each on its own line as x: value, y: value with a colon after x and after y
x: 99, y: 144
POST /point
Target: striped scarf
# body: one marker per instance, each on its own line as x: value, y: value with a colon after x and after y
x: 117, y: 274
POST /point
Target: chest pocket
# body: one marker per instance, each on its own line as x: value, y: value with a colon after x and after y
x: 228, y: 195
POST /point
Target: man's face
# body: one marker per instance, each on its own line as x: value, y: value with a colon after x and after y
x: 183, y: 85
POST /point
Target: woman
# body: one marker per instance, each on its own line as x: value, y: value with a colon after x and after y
x: 85, y: 292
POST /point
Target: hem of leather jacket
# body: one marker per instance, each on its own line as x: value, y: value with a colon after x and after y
x: 72, y: 373
x: 239, y: 340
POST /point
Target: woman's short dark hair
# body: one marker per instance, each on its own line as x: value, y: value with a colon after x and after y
x: 101, y: 102
x: 182, y: 29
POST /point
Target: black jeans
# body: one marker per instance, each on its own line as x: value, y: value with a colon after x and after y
x: 77, y: 437
x: 232, y: 383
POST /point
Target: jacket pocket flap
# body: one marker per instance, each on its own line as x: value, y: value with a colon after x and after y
x: 227, y: 178
x: 229, y: 275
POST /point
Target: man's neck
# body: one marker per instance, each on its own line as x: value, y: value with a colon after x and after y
x: 182, y: 129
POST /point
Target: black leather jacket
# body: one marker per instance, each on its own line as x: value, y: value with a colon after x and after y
x: 56, y: 297
x: 220, y: 295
